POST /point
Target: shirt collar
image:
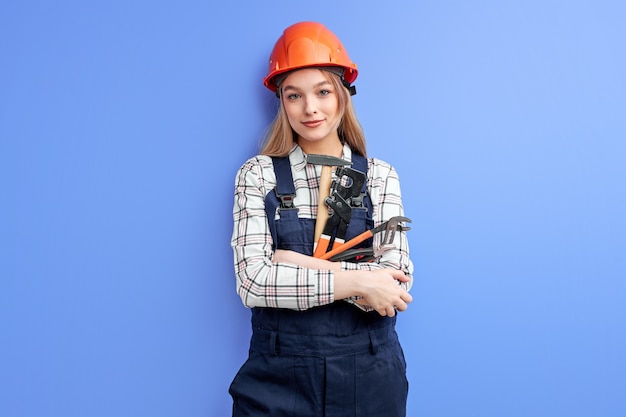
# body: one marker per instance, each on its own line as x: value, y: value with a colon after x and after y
x: 297, y: 157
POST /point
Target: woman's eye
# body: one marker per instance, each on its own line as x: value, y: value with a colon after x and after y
x: 293, y: 96
x: 324, y: 92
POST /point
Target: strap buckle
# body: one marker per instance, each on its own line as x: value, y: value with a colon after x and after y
x: 286, y: 200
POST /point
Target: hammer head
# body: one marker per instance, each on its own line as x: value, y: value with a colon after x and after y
x: 328, y: 160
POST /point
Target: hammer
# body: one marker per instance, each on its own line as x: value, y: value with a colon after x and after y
x: 327, y: 162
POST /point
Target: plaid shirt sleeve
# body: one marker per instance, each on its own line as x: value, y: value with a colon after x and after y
x: 261, y: 283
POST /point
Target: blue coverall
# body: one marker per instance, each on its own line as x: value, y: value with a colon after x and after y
x: 329, y: 361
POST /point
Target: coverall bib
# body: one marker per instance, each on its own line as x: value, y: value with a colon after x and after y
x: 330, y: 361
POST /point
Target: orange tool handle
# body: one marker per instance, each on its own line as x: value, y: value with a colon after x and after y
x: 321, y: 246
x: 345, y: 246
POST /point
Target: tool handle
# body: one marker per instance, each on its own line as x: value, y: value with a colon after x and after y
x: 321, y: 246
x: 349, y: 244
x: 322, y: 208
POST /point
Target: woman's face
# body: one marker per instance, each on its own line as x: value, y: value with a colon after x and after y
x: 312, y: 107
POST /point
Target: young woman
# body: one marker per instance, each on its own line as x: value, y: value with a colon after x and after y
x: 323, y: 332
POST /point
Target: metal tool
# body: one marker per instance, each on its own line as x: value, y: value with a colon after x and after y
x: 362, y: 254
x: 327, y: 162
x: 348, y: 186
x: 389, y: 227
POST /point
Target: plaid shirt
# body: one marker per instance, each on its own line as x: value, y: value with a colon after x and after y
x: 260, y: 282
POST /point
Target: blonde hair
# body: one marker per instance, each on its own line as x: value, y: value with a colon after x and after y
x: 280, y: 137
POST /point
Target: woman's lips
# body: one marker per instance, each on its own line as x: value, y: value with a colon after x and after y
x: 313, y: 123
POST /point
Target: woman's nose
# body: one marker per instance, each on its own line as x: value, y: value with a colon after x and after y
x: 310, y: 107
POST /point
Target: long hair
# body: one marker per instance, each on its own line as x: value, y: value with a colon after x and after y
x: 280, y: 137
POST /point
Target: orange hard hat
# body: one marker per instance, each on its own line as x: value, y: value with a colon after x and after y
x: 308, y: 44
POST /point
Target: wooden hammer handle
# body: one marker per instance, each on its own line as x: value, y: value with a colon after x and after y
x: 322, y: 208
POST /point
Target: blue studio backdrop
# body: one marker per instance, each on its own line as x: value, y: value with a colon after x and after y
x: 122, y: 124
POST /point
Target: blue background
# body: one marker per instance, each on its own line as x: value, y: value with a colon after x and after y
x: 122, y: 124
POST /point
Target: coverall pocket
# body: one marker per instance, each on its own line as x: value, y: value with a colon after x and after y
x: 264, y: 387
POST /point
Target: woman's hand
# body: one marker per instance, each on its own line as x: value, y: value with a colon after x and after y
x: 380, y: 290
